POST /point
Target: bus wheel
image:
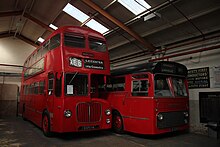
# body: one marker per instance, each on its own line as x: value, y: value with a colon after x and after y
x: 23, y: 113
x: 117, y: 123
x: 46, y: 125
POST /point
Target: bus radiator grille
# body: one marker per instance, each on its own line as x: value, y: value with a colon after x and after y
x: 89, y: 112
x: 172, y: 119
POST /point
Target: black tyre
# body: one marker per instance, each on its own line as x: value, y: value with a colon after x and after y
x: 23, y: 113
x: 46, y: 125
x: 117, y: 123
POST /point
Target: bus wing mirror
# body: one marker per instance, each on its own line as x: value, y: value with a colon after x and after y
x: 59, y: 75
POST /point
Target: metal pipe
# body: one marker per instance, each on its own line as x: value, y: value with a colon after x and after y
x: 146, y: 12
x: 187, y: 18
x: 97, y: 13
x: 143, y: 53
x: 146, y: 44
x: 187, y: 53
x: 25, y: 21
x: 166, y: 26
x: 13, y: 17
x: 18, y: 25
x: 12, y: 65
x: 171, y: 56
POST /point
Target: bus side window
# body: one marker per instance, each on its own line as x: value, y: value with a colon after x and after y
x: 119, y: 84
x: 41, y: 85
x: 140, y: 88
x: 50, y: 83
x: 54, y: 42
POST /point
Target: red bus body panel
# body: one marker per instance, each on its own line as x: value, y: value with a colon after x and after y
x: 56, y: 61
x: 139, y: 113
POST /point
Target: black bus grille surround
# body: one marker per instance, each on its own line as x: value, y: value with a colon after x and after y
x: 172, y: 119
x: 88, y: 112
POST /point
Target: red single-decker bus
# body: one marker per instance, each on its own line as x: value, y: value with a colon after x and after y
x: 151, y: 98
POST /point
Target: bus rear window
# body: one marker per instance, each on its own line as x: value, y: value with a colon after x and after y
x: 97, y: 45
x: 75, y: 41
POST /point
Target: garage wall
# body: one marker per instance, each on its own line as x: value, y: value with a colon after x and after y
x: 13, y: 51
x: 8, y: 100
x: 205, y: 59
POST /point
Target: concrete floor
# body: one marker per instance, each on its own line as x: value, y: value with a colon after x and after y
x: 14, y: 132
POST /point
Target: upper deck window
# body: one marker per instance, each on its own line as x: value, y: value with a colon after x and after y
x: 54, y: 42
x: 75, y: 41
x: 97, y: 45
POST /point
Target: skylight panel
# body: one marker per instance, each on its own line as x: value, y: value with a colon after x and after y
x: 40, y: 39
x: 80, y: 16
x: 97, y: 26
x: 76, y: 13
x: 53, y: 26
x: 135, y: 6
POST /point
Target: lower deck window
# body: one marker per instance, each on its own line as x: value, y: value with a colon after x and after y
x: 76, y: 84
x: 140, y: 88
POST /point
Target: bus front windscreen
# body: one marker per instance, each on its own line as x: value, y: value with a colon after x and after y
x: 179, y: 87
x: 76, y: 84
x: 163, y: 85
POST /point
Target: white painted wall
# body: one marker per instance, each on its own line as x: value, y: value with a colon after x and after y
x: 209, y: 59
x: 13, y: 51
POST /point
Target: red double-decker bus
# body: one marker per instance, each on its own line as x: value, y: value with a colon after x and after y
x: 150, y: 98
x: 59, y: 89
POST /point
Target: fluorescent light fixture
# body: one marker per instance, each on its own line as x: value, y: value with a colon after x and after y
x: 152, y: 16
x: 53, y: 26
x: 135, y: 6
x: 40, y: 39
x: 80, y: 16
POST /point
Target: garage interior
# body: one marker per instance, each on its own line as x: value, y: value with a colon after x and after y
x: 187, y: 32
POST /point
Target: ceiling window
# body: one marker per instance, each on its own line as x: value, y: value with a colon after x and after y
x: 135, y: 6
x: 80, y: 16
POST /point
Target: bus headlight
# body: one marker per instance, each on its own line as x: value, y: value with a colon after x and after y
x: 67, y: 113
x: 186, y: 114
x: 108, y: 112
x: 108, y: 121
x: 160, y: 117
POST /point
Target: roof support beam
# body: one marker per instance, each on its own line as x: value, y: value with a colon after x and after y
x: 6, y: 34
x: 27, y: 40
x: 11, y: 13
x: 31, y: 18
x: 35, y: 20
x: 146, y: 44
